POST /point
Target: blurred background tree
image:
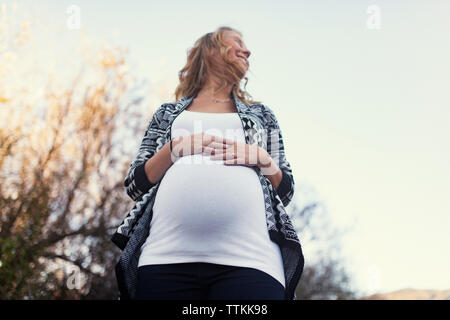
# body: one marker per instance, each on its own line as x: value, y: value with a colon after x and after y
x: 62, y: 165
x: 64, y: 152
x: 324, y: 275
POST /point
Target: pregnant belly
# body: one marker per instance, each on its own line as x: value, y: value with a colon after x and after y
x: 198, y: 196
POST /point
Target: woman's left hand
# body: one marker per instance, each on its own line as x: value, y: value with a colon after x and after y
x: 241, y: 153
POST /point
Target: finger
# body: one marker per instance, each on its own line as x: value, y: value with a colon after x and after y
x: 223, y: 140
x: 243, y: 160
x: 223, y: 156
x: 218, y: 145
x: 237, y: 161
x: 208, y: 150
x: 234, y: 161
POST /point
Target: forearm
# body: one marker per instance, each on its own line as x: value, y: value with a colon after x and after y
x: 280, y: 180
x: 156, y: 166
x: 270, y: 169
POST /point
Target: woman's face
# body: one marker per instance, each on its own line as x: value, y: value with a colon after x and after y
x: 238, y: 49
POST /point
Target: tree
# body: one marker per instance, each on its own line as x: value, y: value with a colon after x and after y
x: 62, y: 164
x: 324, y: 276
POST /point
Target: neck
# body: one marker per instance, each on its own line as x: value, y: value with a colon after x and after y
x: 209, y: 91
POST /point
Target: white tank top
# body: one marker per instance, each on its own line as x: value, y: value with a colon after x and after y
x: 205, y: 211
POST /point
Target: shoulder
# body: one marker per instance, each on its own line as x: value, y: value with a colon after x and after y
x: 163, y: 108
x: 169, y: 106
x: 266, y: 113
x: 159, y: 117
x: 262, y: 108
x: 159, y: 113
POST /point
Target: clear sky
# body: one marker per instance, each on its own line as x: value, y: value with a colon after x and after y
x: 364, y: 113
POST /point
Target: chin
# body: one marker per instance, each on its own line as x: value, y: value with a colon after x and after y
x: 241, y: 69
x: 245, y: 67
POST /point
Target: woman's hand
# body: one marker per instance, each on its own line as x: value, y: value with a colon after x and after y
x: 199, y: 143
x: 241, y: 153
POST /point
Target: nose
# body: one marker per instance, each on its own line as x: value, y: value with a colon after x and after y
x: 247, y: 52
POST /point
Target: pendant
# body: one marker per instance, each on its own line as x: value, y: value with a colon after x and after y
x: 217, y: 100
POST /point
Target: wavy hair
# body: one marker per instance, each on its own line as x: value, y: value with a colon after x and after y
x: 210, y: 55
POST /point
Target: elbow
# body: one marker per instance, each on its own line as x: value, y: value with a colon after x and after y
x: 136, y: 183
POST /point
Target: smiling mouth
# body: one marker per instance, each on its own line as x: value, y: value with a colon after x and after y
x: 245, y: 61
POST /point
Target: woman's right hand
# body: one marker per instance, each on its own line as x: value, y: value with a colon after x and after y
x: 199, y: 143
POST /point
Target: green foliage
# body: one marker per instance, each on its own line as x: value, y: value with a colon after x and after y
x: 325, y: 280
x: 16, y: 266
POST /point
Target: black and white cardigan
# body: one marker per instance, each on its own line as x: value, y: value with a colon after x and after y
x: 260, y: 128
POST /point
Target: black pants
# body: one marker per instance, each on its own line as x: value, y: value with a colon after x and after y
x: 205, y: 281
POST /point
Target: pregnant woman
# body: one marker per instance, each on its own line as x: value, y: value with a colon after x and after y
x: 211, y: 180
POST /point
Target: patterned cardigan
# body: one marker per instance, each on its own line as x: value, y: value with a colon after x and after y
x: 260, y: 128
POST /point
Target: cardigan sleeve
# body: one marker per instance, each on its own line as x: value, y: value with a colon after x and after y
x: 136, y: 182
x: 275, y: 148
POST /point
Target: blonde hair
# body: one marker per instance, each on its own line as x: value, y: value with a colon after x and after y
x: 203, y: 58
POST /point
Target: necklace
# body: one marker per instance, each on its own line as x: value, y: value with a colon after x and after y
x: 218, y: 100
